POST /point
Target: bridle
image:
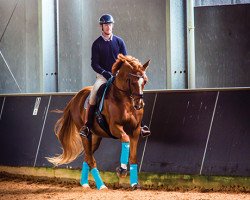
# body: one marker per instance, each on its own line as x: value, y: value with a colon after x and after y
x: 129, y: 92
x: 133, y: 95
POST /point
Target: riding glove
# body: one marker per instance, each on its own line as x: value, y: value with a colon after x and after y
x: 107, y: 74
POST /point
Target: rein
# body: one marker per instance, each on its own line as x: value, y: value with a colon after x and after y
x: 120, y: 89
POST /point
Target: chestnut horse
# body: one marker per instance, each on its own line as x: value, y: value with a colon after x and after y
x: 123, y: 110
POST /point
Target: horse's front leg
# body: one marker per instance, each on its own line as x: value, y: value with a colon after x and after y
x: 133, y: 159
x: 90, y: 164
x: 118, y: 131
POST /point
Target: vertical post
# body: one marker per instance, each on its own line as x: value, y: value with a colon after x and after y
x: 48, y: 50
x: 57, y: 43
x: 175, y: 44
x: 168, y: 45
x: 191, y: 44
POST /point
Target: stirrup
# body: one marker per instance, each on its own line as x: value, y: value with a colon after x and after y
x: 136, y: 187
x: 84, y: 132
x: 145, y: 131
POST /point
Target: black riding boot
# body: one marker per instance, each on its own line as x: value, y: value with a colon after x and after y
x: 85, y: 130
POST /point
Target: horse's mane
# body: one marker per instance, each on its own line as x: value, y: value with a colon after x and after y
x: 133, y: 62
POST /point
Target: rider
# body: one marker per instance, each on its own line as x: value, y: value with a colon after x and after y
x: 105, y: 50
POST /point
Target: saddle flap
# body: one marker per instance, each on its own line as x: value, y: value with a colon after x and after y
x: 102, y: 92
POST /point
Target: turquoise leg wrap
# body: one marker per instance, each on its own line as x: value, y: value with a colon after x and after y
x: 84, y: 174
x: 125, y: 153
x: 133, y: 174
x: 98, y: 180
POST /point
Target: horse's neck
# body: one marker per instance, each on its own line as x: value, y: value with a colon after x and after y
x: 124, y: 104
x: 116, y: 94
x: 119, y: 92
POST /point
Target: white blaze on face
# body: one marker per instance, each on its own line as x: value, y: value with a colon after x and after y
x: 140, y: 103
x: 140, y: 82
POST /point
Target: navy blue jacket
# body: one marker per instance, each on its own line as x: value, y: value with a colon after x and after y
x: 104, y: 53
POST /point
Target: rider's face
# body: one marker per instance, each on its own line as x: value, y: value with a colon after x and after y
x: 107, y: 29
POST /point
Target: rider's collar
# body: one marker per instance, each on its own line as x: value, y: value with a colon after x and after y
x: 107, y: 39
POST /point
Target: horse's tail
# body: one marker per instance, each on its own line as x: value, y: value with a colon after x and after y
x: 67, y: 129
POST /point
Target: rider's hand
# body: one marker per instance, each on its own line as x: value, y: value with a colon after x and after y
x: 107, y: 74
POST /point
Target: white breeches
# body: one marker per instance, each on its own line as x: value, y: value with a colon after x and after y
x: 99, y: 81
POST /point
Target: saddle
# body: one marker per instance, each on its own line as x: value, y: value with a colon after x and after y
x: 101, y: 94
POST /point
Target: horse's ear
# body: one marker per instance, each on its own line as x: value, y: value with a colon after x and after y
x: 146, y: 65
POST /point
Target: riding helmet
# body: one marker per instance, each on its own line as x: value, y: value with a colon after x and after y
x: 106, y: 19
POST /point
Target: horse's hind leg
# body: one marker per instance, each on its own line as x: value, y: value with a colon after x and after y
x: 96, y: 140
x: 90, y: 163
x: 84, y: 181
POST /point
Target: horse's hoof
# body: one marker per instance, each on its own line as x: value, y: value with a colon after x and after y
x: 103, y: 187
x: 122, y: 173
x: 86, y: 187
x: 136, y: 187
